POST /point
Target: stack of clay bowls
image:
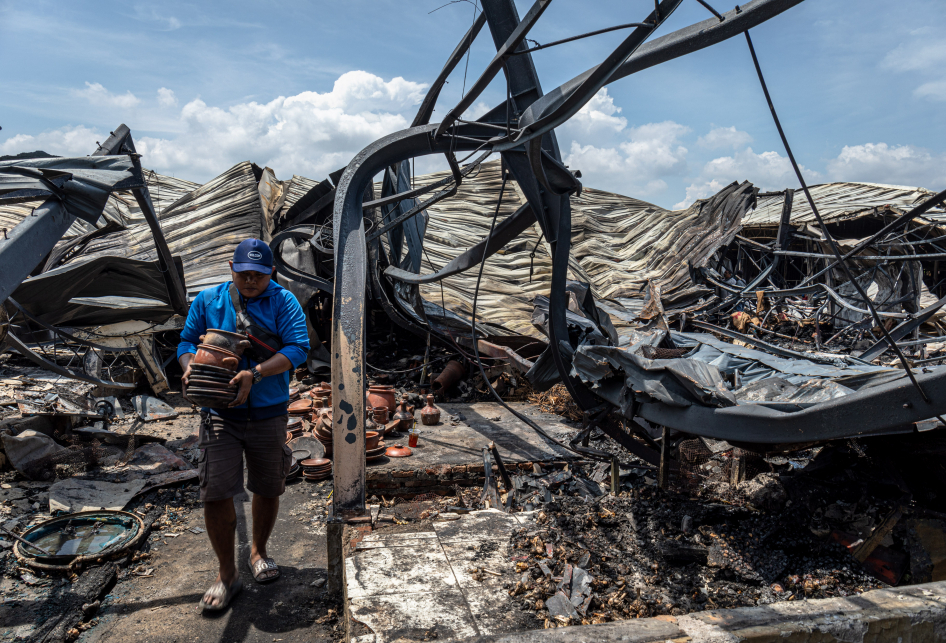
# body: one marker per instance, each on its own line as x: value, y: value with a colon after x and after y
x: 374, y: 446
x: 294, y: 428
x: 214, y: 365
x: 301, y: 408
x: 322, y: 428
x: 315, y: 469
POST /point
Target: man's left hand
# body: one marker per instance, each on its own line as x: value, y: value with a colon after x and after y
x: 244, y: 382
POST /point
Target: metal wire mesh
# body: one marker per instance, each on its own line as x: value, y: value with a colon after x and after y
x: 715, y: 472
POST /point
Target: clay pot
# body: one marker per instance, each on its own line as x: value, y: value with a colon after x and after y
x: 381, y: 395
x: 430, y: 414
x: 405, y: 418
x: 452, y: 373
x: 380, y: 415
x: 236, y: 343
x: 216, y: 356
x: 372, y: 438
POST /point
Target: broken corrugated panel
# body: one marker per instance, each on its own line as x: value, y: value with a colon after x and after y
x: 618, y: 243
x: 203, y: 228
x: 839, y: 202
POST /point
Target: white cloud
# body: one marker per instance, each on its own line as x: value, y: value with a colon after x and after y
x: 475, y: 110
x: 612, y: 156
x: 918, y: 53
x: 96, y: 94
x: 720, y: 137
x: 924, y: 53
x: 166, y: 97
x: 66, y: 141
x: 897, y: 165
x: 934, y: 90
x: 768, y: 171
x: 311, y: 133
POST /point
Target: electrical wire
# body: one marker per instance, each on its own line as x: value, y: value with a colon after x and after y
x: 828, y: 236
x: 593, y: 453
x: 409, y: 370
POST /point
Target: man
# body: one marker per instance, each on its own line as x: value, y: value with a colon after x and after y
x: 255, y: 422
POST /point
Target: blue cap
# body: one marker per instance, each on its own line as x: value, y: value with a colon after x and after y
x: 253, y: 254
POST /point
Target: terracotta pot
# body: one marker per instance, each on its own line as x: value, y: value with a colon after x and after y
x: 405, y: 418
x: 215, y: 356
x: 236, y: 343
x: 372, y: 438
x: 452, y: 373
x: 381, y: 395
x: 380, y: 415
x: 430, y: 414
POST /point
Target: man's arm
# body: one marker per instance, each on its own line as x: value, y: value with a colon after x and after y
x: 275, y: 365
x: 194, y: 326
x: 290, y: 323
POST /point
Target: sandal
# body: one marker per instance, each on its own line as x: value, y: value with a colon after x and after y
x: 220, y: 591
x: 262, y: 566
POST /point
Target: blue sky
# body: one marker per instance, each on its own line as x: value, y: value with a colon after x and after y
x: 302, y: 86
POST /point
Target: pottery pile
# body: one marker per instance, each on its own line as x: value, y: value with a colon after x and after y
x: 214, y: 365
x: 315, y: 469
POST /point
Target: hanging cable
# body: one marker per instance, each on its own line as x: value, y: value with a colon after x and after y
x: 828, y: 236
x: 592, y: 453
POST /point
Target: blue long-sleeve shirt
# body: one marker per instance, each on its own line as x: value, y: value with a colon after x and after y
x: 279, y: 312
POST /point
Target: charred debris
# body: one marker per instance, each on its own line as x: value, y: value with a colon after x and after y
x: 755, y: 382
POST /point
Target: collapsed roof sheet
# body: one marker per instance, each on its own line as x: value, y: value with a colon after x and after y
x: 840, y: 202
x: 618, y: 244
x: 203, y: 227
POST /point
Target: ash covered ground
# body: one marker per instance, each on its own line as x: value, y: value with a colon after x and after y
x: 844, y: 523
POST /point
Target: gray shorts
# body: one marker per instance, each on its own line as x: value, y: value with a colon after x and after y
x: 223, y: 444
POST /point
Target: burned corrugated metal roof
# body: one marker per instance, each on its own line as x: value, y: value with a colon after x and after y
x: 839, y: 202
x: 203, y: 227
x: 618, y: 244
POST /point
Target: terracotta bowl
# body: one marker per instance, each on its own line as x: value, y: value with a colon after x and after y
x: 372, y: 438
x: 215, y: 356
x: 236, y: 343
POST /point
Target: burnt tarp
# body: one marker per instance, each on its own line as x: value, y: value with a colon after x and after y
x: 622, y: 377
x: 587, y: 326
x: 739, y: 394
x: 105, y: 290
x: 743, y: 365
x: 715, y: 373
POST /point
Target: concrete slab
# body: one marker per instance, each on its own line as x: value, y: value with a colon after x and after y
x: 411, y: 616
x: 403, y: 584
x: 477, y: 525
x: 462, y: 441
x: 494, y: 611
x: 491, y: 555
x: 398, y: 570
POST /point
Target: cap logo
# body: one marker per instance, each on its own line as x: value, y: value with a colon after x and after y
x: 254, y: 254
